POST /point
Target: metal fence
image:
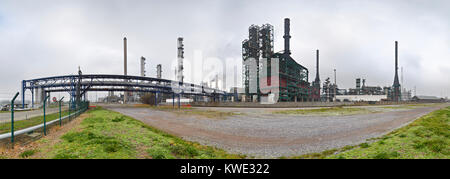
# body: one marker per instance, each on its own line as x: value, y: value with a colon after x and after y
x: 36, y: 122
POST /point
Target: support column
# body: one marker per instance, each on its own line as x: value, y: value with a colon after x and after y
x: 179, y: 101
x: 23, y: 93
x: 32, y: 98
x: 156, y: 98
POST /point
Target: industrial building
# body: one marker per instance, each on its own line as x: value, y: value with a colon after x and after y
x: 357, y: 98
x: 293, y: 77
x: 428, y: 99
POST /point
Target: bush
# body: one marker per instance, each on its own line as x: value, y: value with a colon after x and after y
x: 148, y: 98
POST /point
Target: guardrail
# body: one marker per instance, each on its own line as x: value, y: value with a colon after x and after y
x: 33, y: 128
x: 80, y: 108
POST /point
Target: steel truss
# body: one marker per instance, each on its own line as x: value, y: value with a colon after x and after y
x: 104, y: 82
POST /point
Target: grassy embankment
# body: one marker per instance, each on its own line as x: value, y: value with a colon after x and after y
x: 22, y: 124
x: 108, y: 134
x: 426, y: 138
x: 332, y: 111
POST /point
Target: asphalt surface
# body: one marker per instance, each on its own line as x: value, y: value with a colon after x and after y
x: 259, y: 133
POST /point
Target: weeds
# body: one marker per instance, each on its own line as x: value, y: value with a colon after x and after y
x: 27, y: 153
x: 325, y: 111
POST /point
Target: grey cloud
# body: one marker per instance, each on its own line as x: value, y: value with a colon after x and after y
x: 49, y: 37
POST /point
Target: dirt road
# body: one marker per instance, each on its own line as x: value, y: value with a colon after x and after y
x: 265, y: 135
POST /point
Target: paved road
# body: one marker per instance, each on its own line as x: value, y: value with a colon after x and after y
x: 272, y: 135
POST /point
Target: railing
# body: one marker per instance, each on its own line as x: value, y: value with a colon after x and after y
x: 29, y: 125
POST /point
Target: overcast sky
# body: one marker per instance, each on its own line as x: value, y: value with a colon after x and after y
x: 49, y: 38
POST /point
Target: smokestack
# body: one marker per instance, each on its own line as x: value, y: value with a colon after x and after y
x: 396, y: 86
x: 317, y: 65
x: 142, y: 66
x: 396, y: 57
x: 158, y: 71
x: 125, y: 94
x: 286, y: 36
x: 124, y: 56
x: 180, y: 67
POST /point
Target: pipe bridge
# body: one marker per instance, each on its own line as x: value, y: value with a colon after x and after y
x: 78, y: 85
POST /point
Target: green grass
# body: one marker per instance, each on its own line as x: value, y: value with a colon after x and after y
x: 325, y: 111
x: 27, y: 153
x: 411, y: 106
x: 108, y: 134
x: 196, y: 112
x: 426, y: 138
x: 22, y: 124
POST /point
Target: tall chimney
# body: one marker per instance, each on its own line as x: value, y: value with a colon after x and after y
x: 125, y: 94
x: 180, y: 67
x: 143, y: 66
x: 158, y: 71
x: 124, y: 56
x: 286, y: 36
x: 396, y: 57
x: 317, y: 66
x: 396, y: 86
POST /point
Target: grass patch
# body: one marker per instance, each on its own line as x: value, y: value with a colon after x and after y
x: 27, y: 153
x: 326, y: 111
x: 108, y: 134
x: 410, y: 106
x: 196, y: 112
x: 22, y: 124
x: 364, y: 145
x: 206, y: 113
x: 426, y: 138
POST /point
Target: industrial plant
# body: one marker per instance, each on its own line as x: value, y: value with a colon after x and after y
x: 294, y: 85
x: 267, y: 77
x: 249, y: 98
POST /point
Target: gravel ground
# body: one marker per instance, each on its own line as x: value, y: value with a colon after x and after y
x: 259, y: 133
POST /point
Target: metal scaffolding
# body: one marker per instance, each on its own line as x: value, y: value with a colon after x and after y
x: 293, y: 77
